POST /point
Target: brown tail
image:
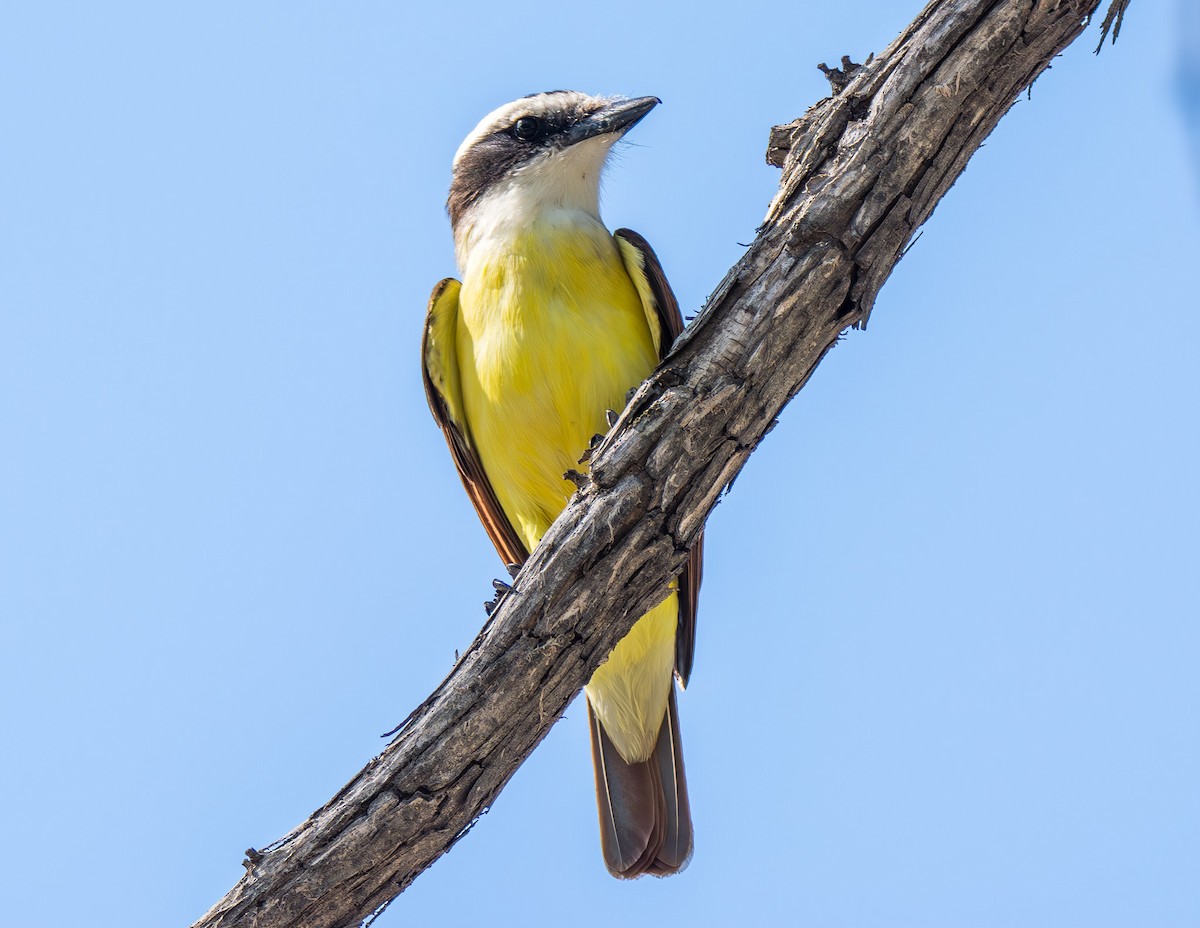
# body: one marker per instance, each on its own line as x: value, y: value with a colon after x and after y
x: 645, y: 820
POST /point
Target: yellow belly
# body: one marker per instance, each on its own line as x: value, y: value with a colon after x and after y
x: 551, y: 334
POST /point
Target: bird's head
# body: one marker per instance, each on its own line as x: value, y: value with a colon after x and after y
x: 539, y: 153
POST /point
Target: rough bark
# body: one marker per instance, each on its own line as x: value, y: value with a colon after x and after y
x: 861, y: 172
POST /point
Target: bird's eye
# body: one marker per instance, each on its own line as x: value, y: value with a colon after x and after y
x: 527, y: 128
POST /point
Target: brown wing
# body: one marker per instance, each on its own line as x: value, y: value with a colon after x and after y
x: 439, y: 370
x: 670, y: 321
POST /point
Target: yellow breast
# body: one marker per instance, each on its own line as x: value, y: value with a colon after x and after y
x: 551, y: 334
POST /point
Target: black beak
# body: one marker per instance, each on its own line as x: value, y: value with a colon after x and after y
x: 617, y: 117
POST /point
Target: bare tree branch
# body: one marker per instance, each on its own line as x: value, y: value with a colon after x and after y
x: 861, y: 172
x: 1112, y: 20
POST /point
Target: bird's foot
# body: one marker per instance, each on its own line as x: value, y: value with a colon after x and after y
x: 593, y: 444
x: 502, y: 590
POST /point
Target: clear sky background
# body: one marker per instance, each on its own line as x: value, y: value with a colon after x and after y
x: 947, y: 672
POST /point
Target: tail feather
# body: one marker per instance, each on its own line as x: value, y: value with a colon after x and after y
x: 676, y: 850
x: 645, y: 817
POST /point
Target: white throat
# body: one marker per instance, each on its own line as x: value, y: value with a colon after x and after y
x: 561, y: 187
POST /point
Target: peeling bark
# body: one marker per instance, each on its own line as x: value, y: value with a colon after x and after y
x: 862, y: 171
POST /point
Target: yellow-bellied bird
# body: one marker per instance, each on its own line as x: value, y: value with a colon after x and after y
x: 554, y: 322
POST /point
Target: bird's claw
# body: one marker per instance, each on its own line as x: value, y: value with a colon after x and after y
x: 593, y: 444
x: 502, y: 590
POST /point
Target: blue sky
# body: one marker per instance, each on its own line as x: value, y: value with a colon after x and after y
x: 946, y: 672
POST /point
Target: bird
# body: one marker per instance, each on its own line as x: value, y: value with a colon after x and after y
x: 554, y: 322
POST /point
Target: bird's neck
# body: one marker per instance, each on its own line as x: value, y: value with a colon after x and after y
x: 511, y: 216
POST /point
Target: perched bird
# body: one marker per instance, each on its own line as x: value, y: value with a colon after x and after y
x: 555, y: 321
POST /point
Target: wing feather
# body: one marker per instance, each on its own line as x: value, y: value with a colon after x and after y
x: 439, y: 370
x: 666, y: 325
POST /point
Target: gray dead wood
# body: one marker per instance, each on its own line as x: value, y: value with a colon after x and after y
x: 861, y: 172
